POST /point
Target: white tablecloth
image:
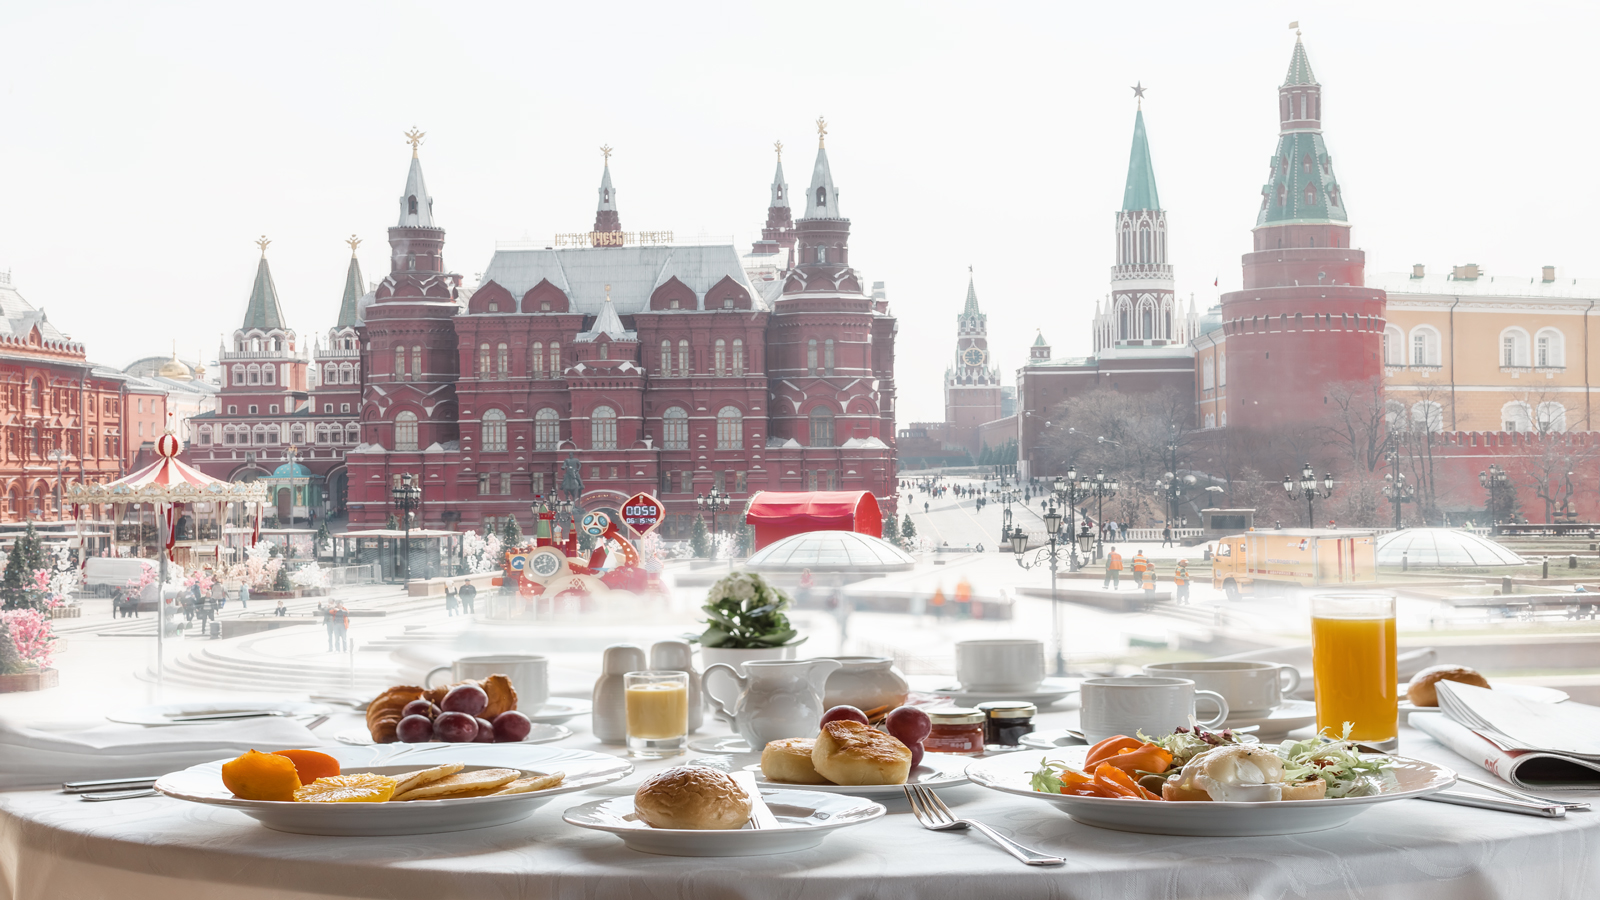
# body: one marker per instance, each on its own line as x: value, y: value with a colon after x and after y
x: 53, y: 846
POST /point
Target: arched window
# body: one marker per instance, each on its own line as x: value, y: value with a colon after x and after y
x: 494, y: 431
x: 603, y: 428
x: 546, y: 429
x: 1222, y: 369
x: 399, y: 362
x: 1147, y: 320
x: 347, y: 373
x: 1549, y: 349
x: 1513, y: 347
x: 322, y: 433
x: 1394, y: 347
x: 269, y: 374
x: 536, y: 355
x: 502, y: 361
x: 730, y: 428
x: 738, y: 356
x: 1551, y: 417
x: 411, y: 204
x: 405, y: 431
x: 811, y: 357
x: 416, y: 362
x: 720, y: 357
x: 1126, y: 331
x: 822, y: 198
x: 827, y: 356
x: 1311, y: 198
x: 1424, y: 346
x: 352, y: 433
x: 484, y: 371
x: 238, y: 375
x: 675, y: 429
x: 330, y: 374
x: 255, y: 374
x: 274, y: 436
x: 1427, y: 415
x: 1144, y: 245
x: 205, y: 436
x: 1516, y: 416
x: 297, y: 435
x: 666, y: 357
x: 684, y: 361
x: 821, y: 430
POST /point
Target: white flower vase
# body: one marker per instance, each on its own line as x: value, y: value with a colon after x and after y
x: 727, y: 692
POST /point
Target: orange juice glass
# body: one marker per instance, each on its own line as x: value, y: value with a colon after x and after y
x: 658, y: 713
x: 1353, y: 660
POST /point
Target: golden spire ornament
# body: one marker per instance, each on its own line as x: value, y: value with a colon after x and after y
x: 262, y: 242
x: 605, y: 151
x: 414, y: 138
x: 778, y: 146
x: 822, y: 132
x: 354, y: 242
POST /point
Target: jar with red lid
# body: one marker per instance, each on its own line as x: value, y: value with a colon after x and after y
x: 958, y: 730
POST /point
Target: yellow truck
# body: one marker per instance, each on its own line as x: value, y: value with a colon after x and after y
x: 1274, y: 561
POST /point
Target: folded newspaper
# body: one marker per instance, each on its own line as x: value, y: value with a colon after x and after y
x: 1533, y: 745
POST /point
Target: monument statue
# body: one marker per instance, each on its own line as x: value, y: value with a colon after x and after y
x: 571, y: 480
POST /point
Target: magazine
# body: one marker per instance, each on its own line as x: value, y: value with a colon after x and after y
x: 1533, y: 745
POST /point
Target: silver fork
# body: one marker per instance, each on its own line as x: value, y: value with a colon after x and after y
x: 935, y: 816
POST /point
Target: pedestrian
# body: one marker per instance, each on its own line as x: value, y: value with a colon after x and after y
x: 1180, y: 583
x: 340, y: 617
x: 1113, y: 570
x: 803, y: 593
x: 219, y: 594
x: 327, y: 623
x: 1140, y: 563
x: 1166, y: 535
x: 244, y: 596
x: 469, y: 599
x: 281, y: 610
x: 937, y: 602
x: 1147, y: 581
x: 924, y: 507
x: 449, y: 602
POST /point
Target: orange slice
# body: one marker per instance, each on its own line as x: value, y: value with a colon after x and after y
x: 362, y: 787
x: 310, y: 764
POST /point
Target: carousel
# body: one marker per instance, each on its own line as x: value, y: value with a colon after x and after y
x: 183, y: 502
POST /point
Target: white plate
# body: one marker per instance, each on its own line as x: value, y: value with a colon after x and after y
x: 1060, y: 737
x: 935, y: 771
x: 163, y: 714
x: 539, y: 734
x: 722, y: 743
x: 1048, y: 692
x: 804, y: 818
x: 1010, y: 774
x: 203, y: 784
x: 1286, y: 718
x: 1534, y: 692
x: 558, y: 710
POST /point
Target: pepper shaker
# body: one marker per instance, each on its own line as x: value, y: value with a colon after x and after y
x: 610, y: 717
x: 678, y: 656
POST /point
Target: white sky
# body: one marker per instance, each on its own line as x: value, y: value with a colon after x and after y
x: 146, y: 145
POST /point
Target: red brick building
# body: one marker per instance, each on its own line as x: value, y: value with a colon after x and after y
x: 659, y: 367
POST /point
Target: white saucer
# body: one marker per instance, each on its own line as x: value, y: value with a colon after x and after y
x: 935, y: 770
x: 558, y: 710
x: 1056, y: 738
x: 1049, y: 691
x: 1286, y: 718
x: 720, y: 743
x: 541, y: 733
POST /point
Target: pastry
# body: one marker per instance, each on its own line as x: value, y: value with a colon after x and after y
x: 1423, y: 689
x: 462, y: 784
x: 502, y: 696
x: 697, y: 797
x: 789, y: 761
x: 848, y: 752
x: 533, y: 783
x: 383, y: 713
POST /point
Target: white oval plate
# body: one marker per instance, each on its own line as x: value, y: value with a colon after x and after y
x: 539, y: 734
x: 1535, y: 692
x: 584, y: 770
x: 804, y: 818
x: 935, y: 771
x: 1049, y: 691
x: 559, y: 710
x: 163, y: 714
x: 1010, y: 774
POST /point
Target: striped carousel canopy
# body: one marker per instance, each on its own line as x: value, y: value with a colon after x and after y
x: 168, y: 480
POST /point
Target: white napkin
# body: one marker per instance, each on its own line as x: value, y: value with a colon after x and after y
x: 1516, y: 723
x: 32, y: 757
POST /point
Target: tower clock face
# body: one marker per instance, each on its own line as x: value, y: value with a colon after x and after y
x: 973, y: 356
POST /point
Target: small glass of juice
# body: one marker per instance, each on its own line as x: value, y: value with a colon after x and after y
x: 1353, y: 660
x: 658, y: 713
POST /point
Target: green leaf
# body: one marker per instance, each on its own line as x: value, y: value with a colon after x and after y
x: 714, y: 637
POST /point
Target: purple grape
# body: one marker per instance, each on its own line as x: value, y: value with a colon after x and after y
x: 849, y: 713
x: 916, y: 755
x: 909, y: 725
x: 414, y: 730
x: 485, y: 733
x: 455, y: 728
x: 511, y: 726
x: 465, y: 698
x: 420, y: 708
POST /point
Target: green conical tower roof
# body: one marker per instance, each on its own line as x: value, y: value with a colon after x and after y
x: 352, y: 294
x: 972, y: 299
x: 263, y: 311
x: 1141, y: 190
x: 1039, y: 341
x: 1299, y: 66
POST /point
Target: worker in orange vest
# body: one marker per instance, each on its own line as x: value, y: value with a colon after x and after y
x: 1147, y: 579
x: 1113, y: 570
x: 1140, y: 564
x: 1180, y: 581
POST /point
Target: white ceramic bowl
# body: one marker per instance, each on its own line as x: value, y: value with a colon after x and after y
x: 805, y: 817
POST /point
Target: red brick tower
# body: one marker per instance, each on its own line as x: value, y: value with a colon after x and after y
x: 606, y: 219
x: 778, y: 233
x: 1303, y: 320
x: 972, y: 382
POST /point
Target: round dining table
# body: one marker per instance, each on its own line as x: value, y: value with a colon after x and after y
x: 55, y: 847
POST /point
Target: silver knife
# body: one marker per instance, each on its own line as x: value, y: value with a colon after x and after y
x: 1528, y: 798
x: 108, y: 784
x: 1479, y: 801
x: 118, y: 795
x: 223, y: 716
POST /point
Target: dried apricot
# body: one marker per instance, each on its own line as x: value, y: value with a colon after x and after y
x: 310, y: 764
x: 362, y: 787
x: 261, y: 776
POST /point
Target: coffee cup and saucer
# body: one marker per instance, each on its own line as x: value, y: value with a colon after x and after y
x: 1004, y: 669
x: 1257, y: 692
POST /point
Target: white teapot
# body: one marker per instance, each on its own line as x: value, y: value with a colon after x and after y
x: 779, y: 698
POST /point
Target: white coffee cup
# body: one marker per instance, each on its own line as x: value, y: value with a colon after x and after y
x: 1000, y: 665
x: 1249, y: 686
x: 530, y: 675
x: 1134, y: 703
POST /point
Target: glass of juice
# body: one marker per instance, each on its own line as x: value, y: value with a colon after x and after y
x: 658, y: 713
x: 1353, y: 660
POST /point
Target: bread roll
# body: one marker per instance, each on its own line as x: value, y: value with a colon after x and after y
x: 1310, y: 789
x: 848, y: 752
x: 697, y: 797
x: 789, y: 761
x: 1422, y: 690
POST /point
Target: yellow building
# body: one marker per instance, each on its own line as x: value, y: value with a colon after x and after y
x: 1473, y: 351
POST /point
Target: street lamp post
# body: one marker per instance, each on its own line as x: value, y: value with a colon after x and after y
x: 714, y: 502
x: 1172, y: 484
x: 1049, y: 554
x: 1494, y: 482
x: 1067, y: 490
x: 60, y: 458
x: 407, y: 497
x: 1396, y: 488
x: 1307, y: 488
x: 1100, y: 487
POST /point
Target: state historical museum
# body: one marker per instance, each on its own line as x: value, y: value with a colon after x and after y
x: 660, y: 367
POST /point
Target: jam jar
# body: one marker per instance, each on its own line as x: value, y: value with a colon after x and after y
x: 955, y: 730
x: 1006, y: 721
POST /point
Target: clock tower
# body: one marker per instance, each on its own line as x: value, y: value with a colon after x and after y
x: 972, y: 382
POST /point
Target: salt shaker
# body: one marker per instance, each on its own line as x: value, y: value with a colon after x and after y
x: 678, y: 656
x: 610, y: 721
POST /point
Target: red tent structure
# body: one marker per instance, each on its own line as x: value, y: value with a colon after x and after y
x: 777, y: 514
